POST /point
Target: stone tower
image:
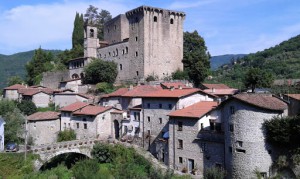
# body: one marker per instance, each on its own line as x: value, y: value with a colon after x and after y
x: 91, y: 42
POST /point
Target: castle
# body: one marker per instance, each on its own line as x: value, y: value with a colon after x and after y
x: 145, y: 41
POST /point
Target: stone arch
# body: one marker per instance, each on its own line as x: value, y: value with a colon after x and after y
x: 75, y: 76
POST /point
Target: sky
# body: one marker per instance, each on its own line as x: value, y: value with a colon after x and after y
x: 227, y: 26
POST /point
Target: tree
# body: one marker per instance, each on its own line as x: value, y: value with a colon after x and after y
x: 179, y: 75
x: 42, y: 61
x: 78, y: 31
x: 91, y: 15
x: 195, y: 57
x: 256, y: 77
x: 14, y: 80
x: 13, y: 127
x: 100, y: 71
x: 27, y: 107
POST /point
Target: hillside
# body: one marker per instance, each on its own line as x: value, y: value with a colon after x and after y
x: 217, y: 61
x: 13, y: 65
x: 282, y: 60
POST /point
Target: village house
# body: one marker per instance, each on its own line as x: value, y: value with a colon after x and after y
x: 246, y: 149
x: 221, y: 90
x: 2, y: 123
x: 66, y: 114
x: 44, y: 127
x: 196, y: 138
x: 293, y: 103
x: 156, y: 107
x: 11, y: 92
x: 66, y: 98
x: 71, y: 84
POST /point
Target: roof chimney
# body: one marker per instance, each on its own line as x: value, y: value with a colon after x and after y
x: 172, y: 88
x: 180, y: 87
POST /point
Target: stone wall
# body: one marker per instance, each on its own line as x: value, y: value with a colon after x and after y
x: 41, y: 99
x: 245, y: 146
x: 11, y: 94
x: 116, y: 30
x: 52, y: 79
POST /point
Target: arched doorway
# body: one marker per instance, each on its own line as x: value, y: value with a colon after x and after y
x: 117, y: 129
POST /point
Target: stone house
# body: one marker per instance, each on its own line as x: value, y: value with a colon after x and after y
x: 67, y: 112
x: 66, y: 98
x: 131, y: 125
x: 196, y: 139
x: 245, y: 149
x: 2, y: 123
x: 71, y: 84
x: 156, y: 107
x: 221, y: 90
x: 293, y: 103
x: 44, y: 127
x: 39, y: 98
x: 92, y: 122
x: 11, y: 92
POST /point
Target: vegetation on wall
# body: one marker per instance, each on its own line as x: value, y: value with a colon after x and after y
x: 100, y: 71
x: 195, y: 57
x: 66, y: 135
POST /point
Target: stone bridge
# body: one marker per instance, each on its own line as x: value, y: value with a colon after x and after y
x: 47, y: 152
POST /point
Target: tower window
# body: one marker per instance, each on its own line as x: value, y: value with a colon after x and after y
x: 136, y: 19
x: 136, y: 38
x: 137, y: 73
x: 126, y: 50
x: 91, y: 32
x: 171, y: 21
x: 117, y: 52
x: 123, y: 51
x: 155, y: 19
x: 136, y: 54
x: 115, y: 27
x: 121, y: 67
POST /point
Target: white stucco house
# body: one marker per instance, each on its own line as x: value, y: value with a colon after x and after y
x: 2, y: 123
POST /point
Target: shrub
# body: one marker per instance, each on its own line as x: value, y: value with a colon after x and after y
x: 214, y: 173
x: 102, y: 152
x: 151, y: 78
x: 66, y: 135
x: 86, y: 169
x: 27, y: 107
x: 104, y: 87
x: 179, y: 75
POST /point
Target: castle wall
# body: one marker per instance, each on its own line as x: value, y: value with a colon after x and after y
x: 52, y: 79
x: 245, y: 146
x: 116, y: 30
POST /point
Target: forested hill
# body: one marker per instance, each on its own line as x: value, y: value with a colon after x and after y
x: 217, y: 61
x: 12, y: 65
x: 283, y: 61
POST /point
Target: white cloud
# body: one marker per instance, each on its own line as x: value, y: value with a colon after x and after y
x: 27, y: 27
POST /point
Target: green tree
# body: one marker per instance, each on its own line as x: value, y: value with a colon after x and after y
x: 195, y: 57
x: 91, y: 15
x: 42, y: 61
x: 100, y: 71
x: 257, y: 78
x: 86, y: 169
x: 66, y: 135
x: 27, y: 107
x: 14, y: 80
x: 180, y: 75
x: 13, y: 127
x: 78, y: 31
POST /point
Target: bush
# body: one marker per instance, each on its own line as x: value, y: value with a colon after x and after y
x: 180, y: 75
x: 214, y: 173
x: 151, y: 78
x: 27, y: 107
x: 66, y: 135
x: 102, y: 152
x: 86, y: 169
x: 104, y: 87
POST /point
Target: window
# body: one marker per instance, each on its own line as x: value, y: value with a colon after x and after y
x: 239, y: 143
x: 240, y: 150
x: 148, y: 118
x: 137, y: 130
x: 155, y: 19
x: 149, y: 132
x: 125, y: 129
x: 230, y: 149
x: 232, y: 110
x: 77, y: 125
x: 202, y: 126
x: 136, y: 54
x: 123, y: 51
x: 85, y: 125
x: 231, y: 128
x: 117, y: 52
x: 136, y: 116
x: 109, y: 54
x: 171, y: 21
x: 136, y: 39
x: 160, y: 120
x: 203, y: 147
x: 160, y: 106
x: 179, y: 126
x: 121, y: 67
x: 148, y: 105
x: 136, y: 19
x: 180, y: 160
x: 212, y: 125
x: 170, y: 106
x: 180, y: 144
x: 91, y: 33
x: 126, y: 50
x: 115, y: 27
x: 137, y: 73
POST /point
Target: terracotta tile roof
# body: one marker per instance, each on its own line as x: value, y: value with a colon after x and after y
x: 196, y: 110
x: 92, y: 110
x: 262, y: 100
x: 15, y: 87
x: 176, y: 93
x: 295, y: 96
x: 39, y: 116
x: 142, y: 90
x: 216, y: 86
x: 32, y: 91
x: 71, y: 93
x: 74, y: 106
x: 230, y: 91
x: 118, y: 92
x: 168, y: 85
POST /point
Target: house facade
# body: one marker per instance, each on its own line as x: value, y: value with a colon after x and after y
x: 43, y: 127
x: 11, y: 92
x: 293, y: 103
x: 2, y: 123
x: 66, y: 98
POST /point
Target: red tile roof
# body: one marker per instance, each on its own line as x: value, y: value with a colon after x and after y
x: 176, y: 93
x: 216, y: 86
x: 39, y: 116
x: 196, y: 110
x: 177, y: 85
x: 262, y: 100
x: 79, y: 94
x: 74, y: 106
x: 32, y: 91
x: 142, y: 90
x: 92, y: 110
x: 230, y: 91
x: 15, y: 87
x: 295, y: 96
x: 118, y: 92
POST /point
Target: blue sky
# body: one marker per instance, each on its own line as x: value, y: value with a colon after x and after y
x: 228, y: 26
